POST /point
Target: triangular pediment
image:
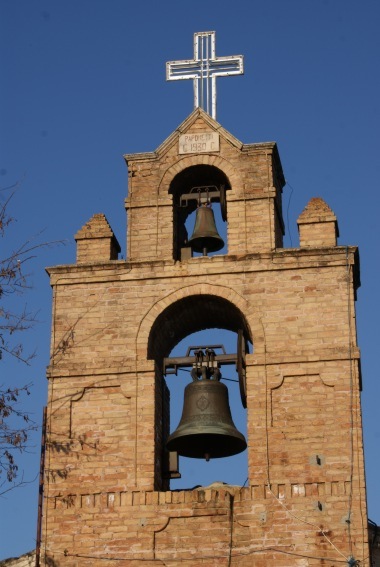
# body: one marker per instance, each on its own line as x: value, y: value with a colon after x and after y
x: 193, y: 121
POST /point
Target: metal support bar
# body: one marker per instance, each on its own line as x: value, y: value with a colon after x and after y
x: 171, y: 365
x: 203, y: 197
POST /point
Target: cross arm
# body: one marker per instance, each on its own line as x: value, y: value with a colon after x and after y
x: 225, y: 66
x: 186, y: 69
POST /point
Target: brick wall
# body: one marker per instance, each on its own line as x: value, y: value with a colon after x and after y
x: 107, y: 498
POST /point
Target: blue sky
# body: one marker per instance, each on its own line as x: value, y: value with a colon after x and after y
x: 84, y: 82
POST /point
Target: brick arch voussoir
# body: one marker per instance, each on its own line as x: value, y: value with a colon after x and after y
x: 220, y: 291
x: 202, y: 159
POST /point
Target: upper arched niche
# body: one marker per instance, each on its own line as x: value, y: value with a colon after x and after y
x: 189, y: 315
x: 185, y: 182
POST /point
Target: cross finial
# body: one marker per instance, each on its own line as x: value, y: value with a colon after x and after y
x: 204, y: 69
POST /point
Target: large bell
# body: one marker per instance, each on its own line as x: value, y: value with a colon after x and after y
x: 205, y: 235
x: 206, y: 430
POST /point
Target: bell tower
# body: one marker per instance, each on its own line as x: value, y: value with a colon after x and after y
x: 111, y: 448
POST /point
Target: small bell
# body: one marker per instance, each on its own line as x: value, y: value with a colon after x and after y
x: 205, y: 236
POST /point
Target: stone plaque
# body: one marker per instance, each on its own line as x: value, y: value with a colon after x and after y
x: 199, y: 142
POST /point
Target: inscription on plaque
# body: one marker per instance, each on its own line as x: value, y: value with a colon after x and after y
x: 199, y: 142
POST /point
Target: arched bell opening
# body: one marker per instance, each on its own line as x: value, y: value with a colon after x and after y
x: 208, y: 322
x: 199, y: 188
x: 194, y: 472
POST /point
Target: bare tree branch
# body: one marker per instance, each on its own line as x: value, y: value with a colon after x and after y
x: 15, y: 423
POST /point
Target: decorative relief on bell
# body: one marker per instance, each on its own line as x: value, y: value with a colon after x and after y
x: 203, y: 403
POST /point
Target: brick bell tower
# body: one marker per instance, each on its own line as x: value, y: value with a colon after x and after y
x: 107, y: 494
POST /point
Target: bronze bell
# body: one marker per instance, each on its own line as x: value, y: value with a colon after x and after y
x: 206, y: 430
x: 205, y: 235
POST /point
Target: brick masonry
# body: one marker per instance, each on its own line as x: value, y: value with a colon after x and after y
x: 106, y: 497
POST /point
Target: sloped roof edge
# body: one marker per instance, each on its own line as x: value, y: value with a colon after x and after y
x: 185, y: 125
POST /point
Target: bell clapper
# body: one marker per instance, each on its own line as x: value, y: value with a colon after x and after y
x: 207, y: 457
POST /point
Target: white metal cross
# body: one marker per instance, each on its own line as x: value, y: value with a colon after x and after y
x: 204, y: 69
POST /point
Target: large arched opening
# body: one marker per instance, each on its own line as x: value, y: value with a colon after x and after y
x: 200, y: 320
